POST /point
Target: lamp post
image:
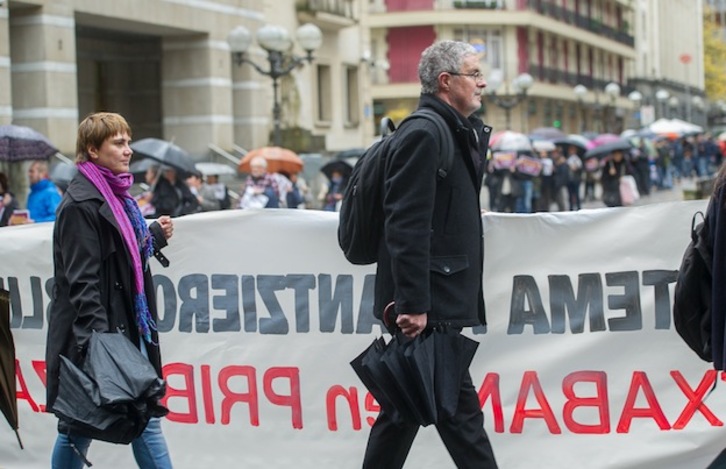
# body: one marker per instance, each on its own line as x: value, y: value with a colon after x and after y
x: 612, y: 90
x: 277, y: 43
x: 636, y: 97
x: 699, y: 105
x: 673, y: 103
x: 520, y: 85
x: 580, y: 91
x: 662, y: 96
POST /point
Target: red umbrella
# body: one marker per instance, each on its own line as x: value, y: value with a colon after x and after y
x: 278, y: 160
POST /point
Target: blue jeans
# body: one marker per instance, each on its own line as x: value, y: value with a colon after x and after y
x: 150, y: 450
x: 524, y: 202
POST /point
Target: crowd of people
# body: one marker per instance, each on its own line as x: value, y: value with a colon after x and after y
x: 548, y: 178
x: 561, y: 177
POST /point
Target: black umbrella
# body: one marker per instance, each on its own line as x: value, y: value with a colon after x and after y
x: 417, y: 380
x: 115, y: 394
x: 605, y: 149
x: 454, y: 353
x: 379, y: 381
x: 138, y: 168
x: 8, y: 402
x: 165, y: 153
x: 546, y: 133
x: 343, y: 167
x: 19, y: 143
x: 62, y: 174
x: 350, y: 153
x: 565, y: 142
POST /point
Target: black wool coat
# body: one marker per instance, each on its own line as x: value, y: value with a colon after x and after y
x: 94, y: 286
x: 431, y: 257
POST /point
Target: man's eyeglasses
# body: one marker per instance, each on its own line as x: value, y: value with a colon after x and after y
x: 477, y: 76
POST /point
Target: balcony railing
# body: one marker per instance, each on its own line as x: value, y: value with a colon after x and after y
x: 553, y: 10
x: 558, y: 76
x: 480, y: 4
x: 342, y: 8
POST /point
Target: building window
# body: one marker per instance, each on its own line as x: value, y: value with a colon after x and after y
x: 488, y: 42
x: 351, y: 97
x: 325, y: 95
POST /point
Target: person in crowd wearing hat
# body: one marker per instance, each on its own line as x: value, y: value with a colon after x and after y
x: 430, y: 260
x: 101, y: 251
x: 8, y: 202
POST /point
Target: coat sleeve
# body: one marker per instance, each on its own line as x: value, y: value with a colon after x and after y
x: 79, y: 232
x: 409, y: 198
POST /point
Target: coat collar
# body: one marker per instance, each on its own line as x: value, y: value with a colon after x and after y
x: 81, y: 189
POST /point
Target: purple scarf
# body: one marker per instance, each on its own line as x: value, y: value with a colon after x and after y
x: 115, y: 190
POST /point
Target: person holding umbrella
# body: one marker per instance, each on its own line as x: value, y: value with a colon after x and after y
x: 614, y: 169
x: 101, y: 251
x: 430, y: 259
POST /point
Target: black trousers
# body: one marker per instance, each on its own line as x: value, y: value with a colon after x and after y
x: 463, y: 435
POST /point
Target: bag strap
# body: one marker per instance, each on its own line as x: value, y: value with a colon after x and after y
x: 446, y: 141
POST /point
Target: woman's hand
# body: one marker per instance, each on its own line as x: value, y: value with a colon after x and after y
x: 167, y: 226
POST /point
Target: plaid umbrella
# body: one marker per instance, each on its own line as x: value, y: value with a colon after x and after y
x: 19, y: 143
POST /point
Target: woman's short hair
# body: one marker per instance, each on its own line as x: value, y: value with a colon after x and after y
x: 442, y: 56
x: 95, y: 129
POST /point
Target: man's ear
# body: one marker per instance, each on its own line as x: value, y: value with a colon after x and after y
x: 444, y: 80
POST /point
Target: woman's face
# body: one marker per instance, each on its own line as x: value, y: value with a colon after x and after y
x: 114, y: 153
x: 618, y: 156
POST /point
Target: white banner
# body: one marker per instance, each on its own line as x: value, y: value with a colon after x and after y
x: 260, y: 316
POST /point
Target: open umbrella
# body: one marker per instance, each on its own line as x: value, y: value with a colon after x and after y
x: 139, y: 167
x: 350, y: 153
x: 209, y: 168
x: 279, y: 160
x: 582, y: 143
x: 508, y: 140
x: 19, y: 143
x: 62, y: 173
x: 8, y: 403
x: 546, y: 133
x: 164, y: 152
x: 603, y: 150
x: 114, y: 395
x: 343, y: 167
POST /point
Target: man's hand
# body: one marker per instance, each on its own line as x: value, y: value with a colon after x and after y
x: 167, y: 226
x: 412, y: 324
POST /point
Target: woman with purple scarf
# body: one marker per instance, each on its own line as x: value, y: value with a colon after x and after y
x: 101, y: 252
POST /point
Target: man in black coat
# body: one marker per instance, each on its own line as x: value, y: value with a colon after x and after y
x: 430, y: 262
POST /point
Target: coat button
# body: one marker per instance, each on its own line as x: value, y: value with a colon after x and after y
x: 447, y: 269
x: 118, y: 286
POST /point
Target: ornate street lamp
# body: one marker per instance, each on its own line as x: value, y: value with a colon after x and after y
x: 662, y: 96
x: 520, y: 85
x: 673, y: 104
x: 277, y: 43
x: 581, y: 91
x: 636, y: 97
x: 612, y: 90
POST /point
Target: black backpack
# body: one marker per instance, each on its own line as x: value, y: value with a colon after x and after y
x: 692, y: 302
x: 361, y: 212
